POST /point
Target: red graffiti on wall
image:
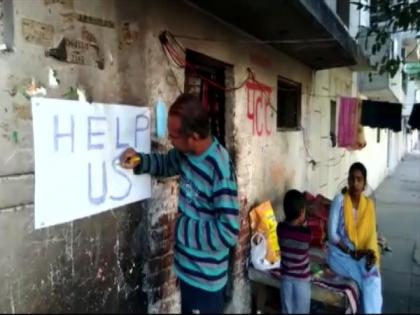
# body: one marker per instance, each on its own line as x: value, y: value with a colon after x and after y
x: 258, y: 107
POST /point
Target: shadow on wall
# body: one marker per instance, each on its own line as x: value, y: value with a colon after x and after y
x: 90, y: 265
x: 132, y: 258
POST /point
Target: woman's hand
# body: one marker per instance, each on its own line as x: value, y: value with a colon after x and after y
x: 368, y: 253
x: 357, y: 254
x: 370, y: 259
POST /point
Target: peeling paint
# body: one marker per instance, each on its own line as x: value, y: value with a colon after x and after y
x: 53, y: 81
x: 33, y: 89
x: 71, y: 94
x: 68, y: 4
x: 129, y: 33
x: 37, y: 33
x: 77, y: 51
x: 88, y: 36
x: 111, y: 58
x: 89, y: 19
x: 81, y: 94
x: 28, y: 207
x: 22, y: 111
x: 15, y: 136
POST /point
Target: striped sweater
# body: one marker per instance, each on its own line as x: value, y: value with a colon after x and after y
x: 208, y: 224
x: 294, y: 244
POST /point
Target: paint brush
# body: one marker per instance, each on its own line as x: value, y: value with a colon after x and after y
x: 130, y: 160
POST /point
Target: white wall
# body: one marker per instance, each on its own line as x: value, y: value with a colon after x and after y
x: 375, y: 156
x: 358, y: 18
x: 332, y: 4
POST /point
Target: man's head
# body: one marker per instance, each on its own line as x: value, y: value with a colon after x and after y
x: 294, y: 206
x: 188, y: 123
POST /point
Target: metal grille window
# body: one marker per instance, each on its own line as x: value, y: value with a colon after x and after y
x: 212, y: 98
x: 376, y: 13
x: 343, y: 11
x: 289, y: 94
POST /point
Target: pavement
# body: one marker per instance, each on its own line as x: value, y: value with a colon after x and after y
x: 398, y: 212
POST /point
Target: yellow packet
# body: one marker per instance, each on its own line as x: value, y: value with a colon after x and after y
x: 264, y: 221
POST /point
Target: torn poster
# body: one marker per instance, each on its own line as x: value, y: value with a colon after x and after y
x: 77, y: 51
x: 68, y: 4
x: 83, y: 18
x: 37, y: 33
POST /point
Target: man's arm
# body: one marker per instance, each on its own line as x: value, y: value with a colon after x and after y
x: 220, y: 232
x: 161, y: 165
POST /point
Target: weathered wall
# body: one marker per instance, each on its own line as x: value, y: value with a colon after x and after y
x: 90, y: 265
x: 121, y: 260
x: 274, y: 161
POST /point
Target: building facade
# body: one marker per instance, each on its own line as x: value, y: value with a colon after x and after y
x: 273, y: 88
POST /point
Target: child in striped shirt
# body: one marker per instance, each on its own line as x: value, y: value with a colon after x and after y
x: 294, y: 240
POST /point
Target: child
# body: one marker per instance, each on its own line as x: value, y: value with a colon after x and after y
x: 294, y: 240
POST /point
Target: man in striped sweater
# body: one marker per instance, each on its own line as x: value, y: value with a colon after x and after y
x: 294, y: 240
x: 208, y: 224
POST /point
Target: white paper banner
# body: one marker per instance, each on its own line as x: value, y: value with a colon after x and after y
x: 77, y: 146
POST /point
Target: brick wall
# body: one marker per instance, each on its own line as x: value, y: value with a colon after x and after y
x: 160, y: 276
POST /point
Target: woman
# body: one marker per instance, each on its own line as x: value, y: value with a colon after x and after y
x: 353, y: 250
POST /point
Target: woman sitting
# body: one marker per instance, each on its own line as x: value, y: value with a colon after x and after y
x: 353, y: 248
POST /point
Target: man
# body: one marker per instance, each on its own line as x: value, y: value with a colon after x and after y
x: 208, y: 205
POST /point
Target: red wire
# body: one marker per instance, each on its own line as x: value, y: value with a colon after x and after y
x: 182, y: 63
x: 177, y: 60
x: 174, y: 55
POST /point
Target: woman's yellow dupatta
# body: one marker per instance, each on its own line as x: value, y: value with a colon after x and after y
x: 363, y: 234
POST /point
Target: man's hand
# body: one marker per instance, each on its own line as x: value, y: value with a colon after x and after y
x: 130, y: 159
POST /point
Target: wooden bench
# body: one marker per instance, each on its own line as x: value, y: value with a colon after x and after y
x: 265, y: 288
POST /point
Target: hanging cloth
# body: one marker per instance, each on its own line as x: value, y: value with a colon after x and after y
x: 370, y: 114
x: 382, y: 115
x: 414, y: 120
x: 348, y: 122
x: 393, y: 116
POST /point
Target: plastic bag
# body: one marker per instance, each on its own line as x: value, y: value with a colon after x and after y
x: 264, y: 221
x: 258, y: 253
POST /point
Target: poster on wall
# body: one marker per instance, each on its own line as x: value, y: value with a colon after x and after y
x: 77, y: 147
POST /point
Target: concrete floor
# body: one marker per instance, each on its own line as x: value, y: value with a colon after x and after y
x: 398, y: 210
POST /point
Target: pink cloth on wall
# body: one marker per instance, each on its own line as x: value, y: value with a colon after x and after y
x: 348, y: 122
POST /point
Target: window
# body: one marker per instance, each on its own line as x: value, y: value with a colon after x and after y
x: 333, y: 114
x: 377, y: 12
x: 211, y: 97
x: 343, y: 11
x: 6, y: 25
x: 394, y: 49
x: 288, y: 104
x: 378, y: 135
